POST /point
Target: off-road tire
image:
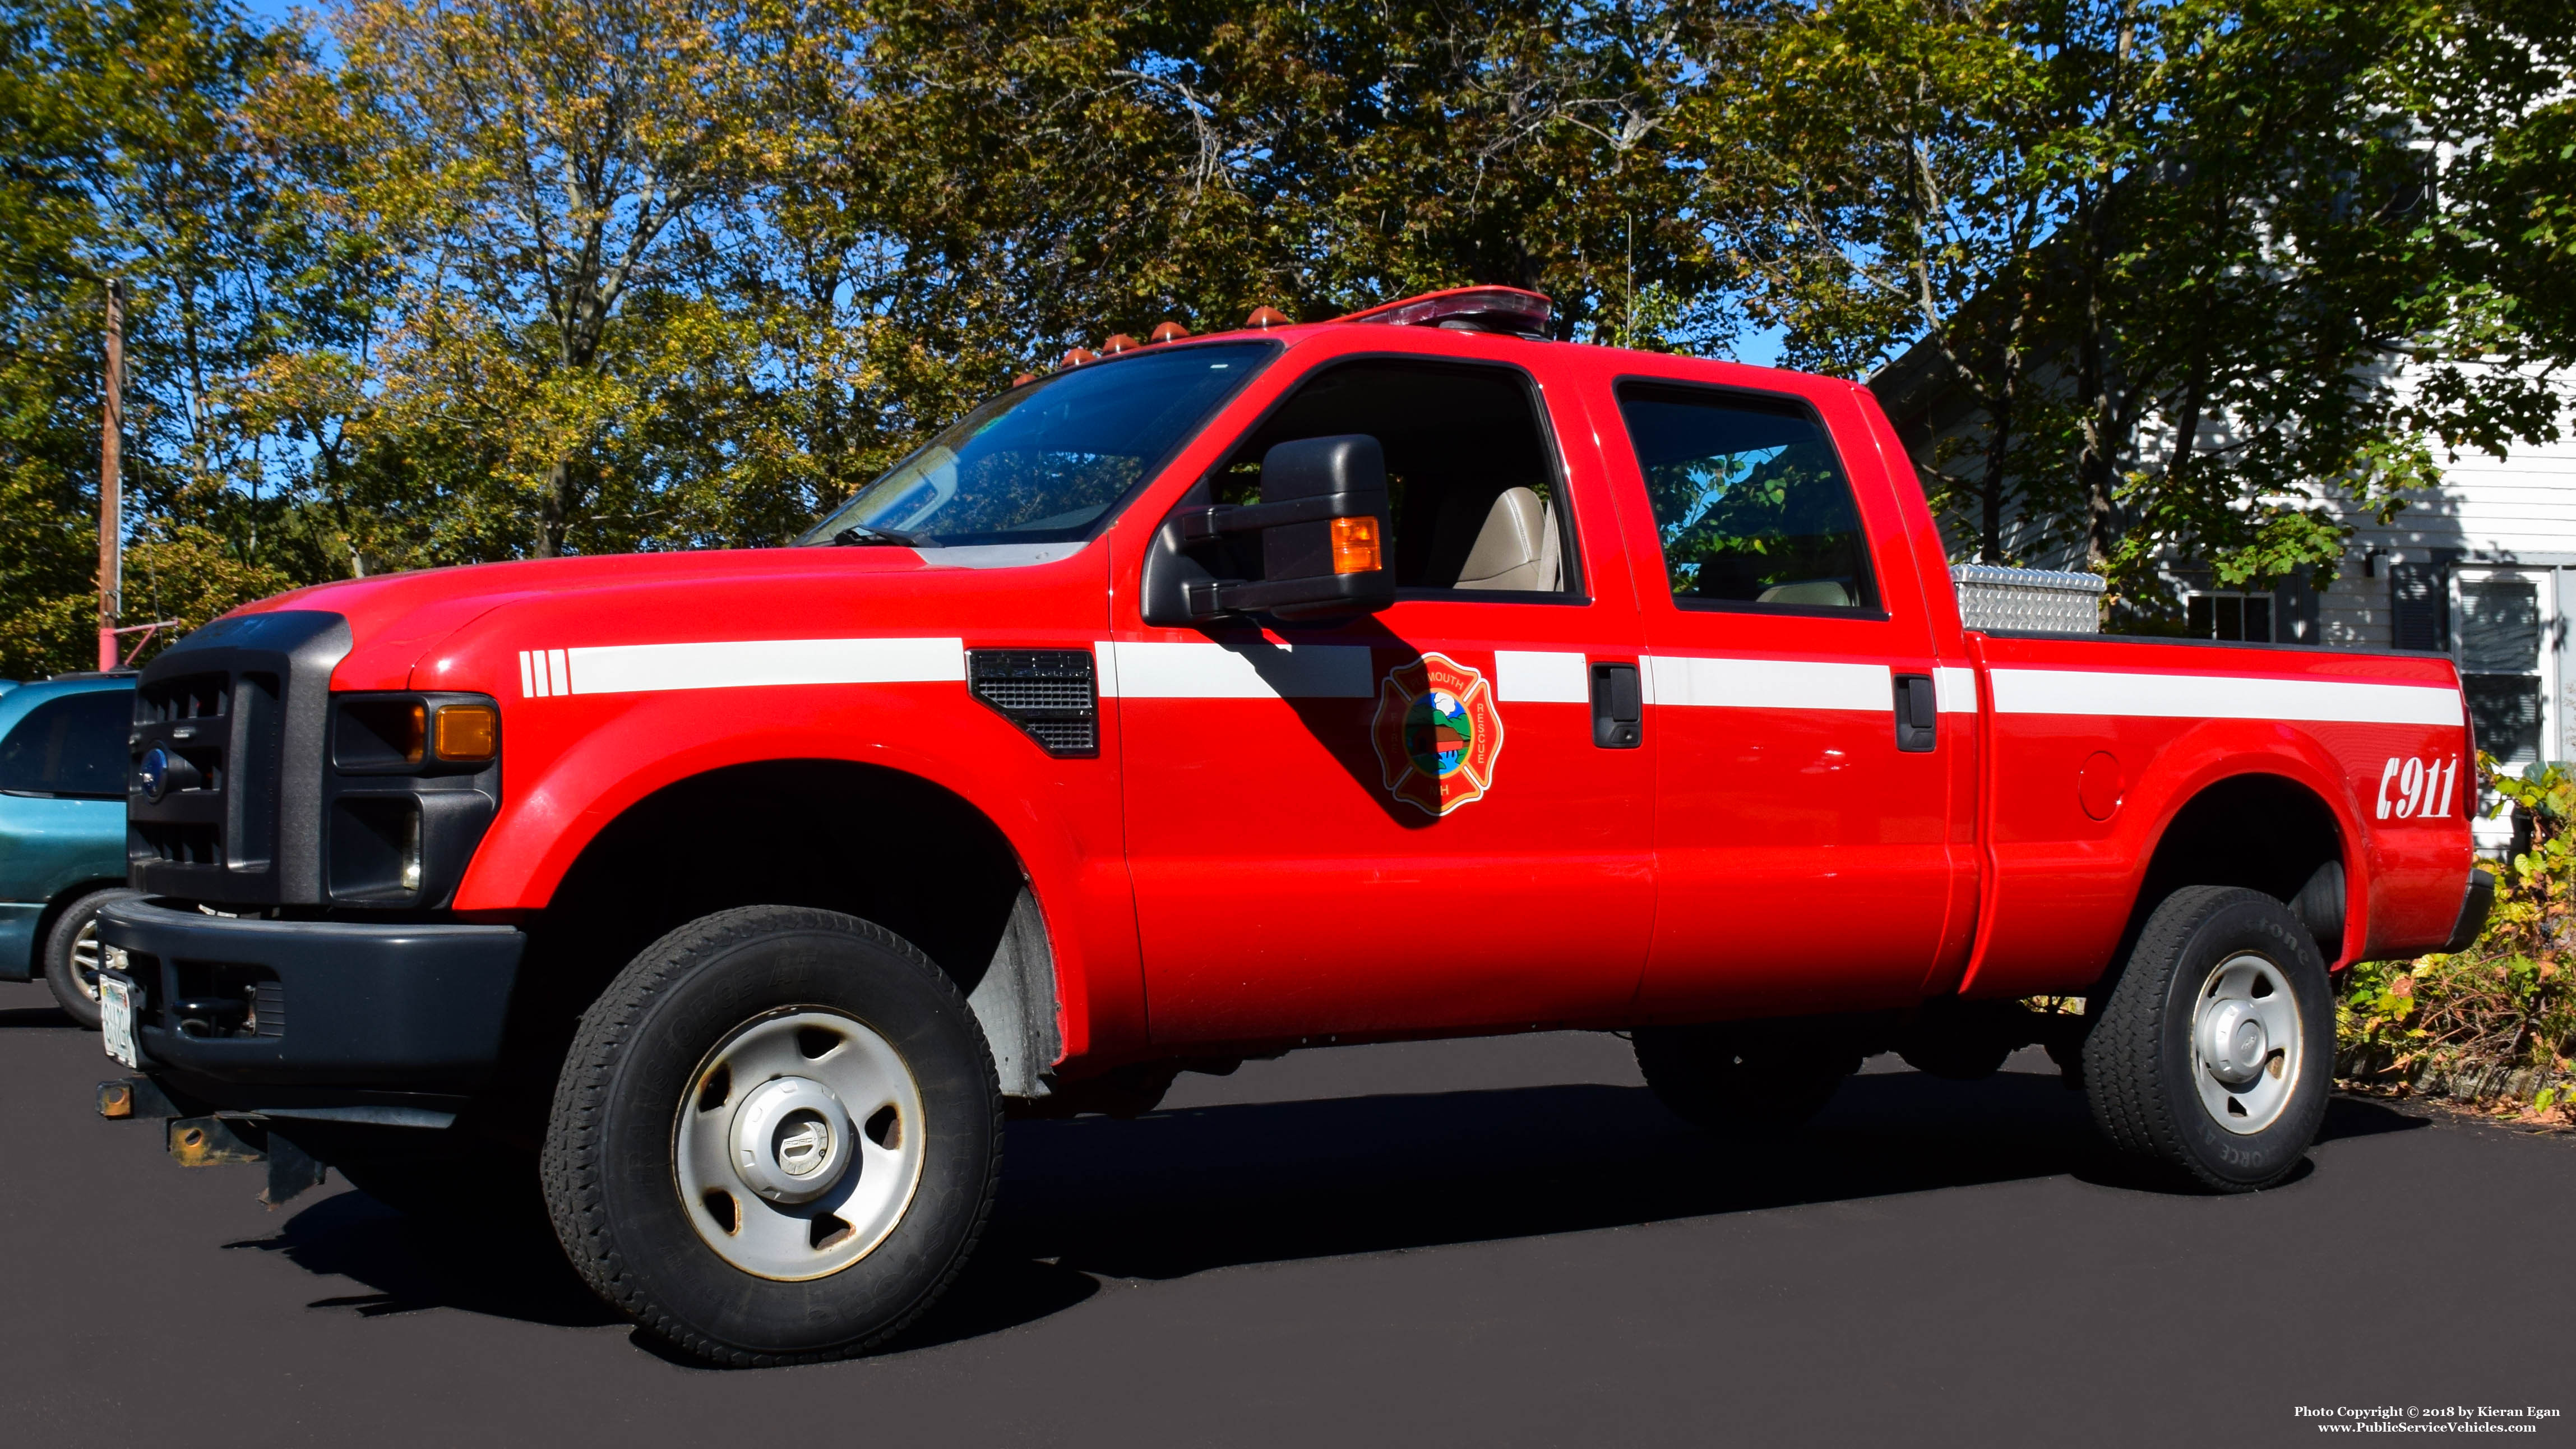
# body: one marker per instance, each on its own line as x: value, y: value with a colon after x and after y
x: 78, y: 999
x: 608, y: 1171
x: 2139, y: 1060
x: 1730, y: 1078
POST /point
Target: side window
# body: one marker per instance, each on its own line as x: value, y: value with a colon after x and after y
x: 1472, y: 477
x: 1750, y: 501
x: 74, y: 745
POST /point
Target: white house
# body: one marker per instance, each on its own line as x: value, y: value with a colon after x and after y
x: 2482, y: 569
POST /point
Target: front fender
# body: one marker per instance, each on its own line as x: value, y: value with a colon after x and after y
x: 572, y: 766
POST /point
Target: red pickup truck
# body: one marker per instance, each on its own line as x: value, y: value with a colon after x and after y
x: 1402, y: 676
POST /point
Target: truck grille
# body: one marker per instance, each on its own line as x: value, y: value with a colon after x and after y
x: 242, y: 702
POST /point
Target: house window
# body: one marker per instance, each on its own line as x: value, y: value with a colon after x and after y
x: 2501, y: 639
x: 2244, y: 618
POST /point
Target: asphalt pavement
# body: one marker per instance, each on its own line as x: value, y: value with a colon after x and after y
x: 1470, y: 1243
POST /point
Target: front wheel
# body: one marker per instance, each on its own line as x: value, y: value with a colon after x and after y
x: 72, y: 953
x: 2213, y: 1054
x: 776, y: 1137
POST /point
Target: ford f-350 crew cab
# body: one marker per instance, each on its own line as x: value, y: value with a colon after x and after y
x: 1404, y: 676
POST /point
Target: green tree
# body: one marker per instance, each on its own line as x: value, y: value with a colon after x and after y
x: 2183, y: 258
x: 127, y: 158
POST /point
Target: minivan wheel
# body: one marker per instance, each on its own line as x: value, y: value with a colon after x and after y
x: 73, y: 951
x: 776, y: 1138
x: 2213, y: 1055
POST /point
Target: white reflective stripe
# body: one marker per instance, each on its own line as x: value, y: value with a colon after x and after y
x: 1770, y: 684
x: 1541, y: 677
x: 2216, y: 696
x: 559, y: 669
x: 527, y: 678
x: 1956, y: 689
x: 1105, y: 681
x: 736, y: 664
x: 1193, y: 670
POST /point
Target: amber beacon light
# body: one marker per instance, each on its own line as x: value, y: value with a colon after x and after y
x: 1355, y: 545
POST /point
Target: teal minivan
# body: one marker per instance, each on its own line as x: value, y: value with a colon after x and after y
x: 62, y: 829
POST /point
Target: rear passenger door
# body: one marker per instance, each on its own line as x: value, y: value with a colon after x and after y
x: 1801, y: 826
x: 1402, y: 822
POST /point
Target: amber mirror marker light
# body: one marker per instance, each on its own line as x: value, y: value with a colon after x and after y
x: 1355, y: 545
x: 468, y: 732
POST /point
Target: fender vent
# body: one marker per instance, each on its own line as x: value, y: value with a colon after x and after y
x: 1048, y: 693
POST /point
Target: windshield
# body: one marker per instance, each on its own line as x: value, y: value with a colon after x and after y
x: 1047, y: 463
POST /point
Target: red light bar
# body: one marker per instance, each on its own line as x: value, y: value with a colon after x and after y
x: 1471, y: 309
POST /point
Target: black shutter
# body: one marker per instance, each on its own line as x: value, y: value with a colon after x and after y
x: 2419, y: 607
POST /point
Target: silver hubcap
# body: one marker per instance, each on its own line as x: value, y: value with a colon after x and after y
x: 800, y: 1144
x: 85, y: 954
x: 2245, y: 1043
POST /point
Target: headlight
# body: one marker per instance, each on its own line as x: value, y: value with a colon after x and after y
x: 414, y: 781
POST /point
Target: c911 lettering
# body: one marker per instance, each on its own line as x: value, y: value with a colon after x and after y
x: 2410, y: 787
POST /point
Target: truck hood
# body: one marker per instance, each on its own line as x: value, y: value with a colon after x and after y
x: 398, y: 621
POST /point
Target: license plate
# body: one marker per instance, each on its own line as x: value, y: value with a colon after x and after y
x: 116, y: 1020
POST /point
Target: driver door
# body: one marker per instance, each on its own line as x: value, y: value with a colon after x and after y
x: 1400, y: 823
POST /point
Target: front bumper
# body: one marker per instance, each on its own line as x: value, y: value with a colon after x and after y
x: 413, y: 1008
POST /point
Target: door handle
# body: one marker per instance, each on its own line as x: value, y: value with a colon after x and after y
x: 1918, y: 713
x: 1618, y: 707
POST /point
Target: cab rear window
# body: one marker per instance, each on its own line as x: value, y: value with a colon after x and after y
x: 1750, y: 501
x: 74, y: 745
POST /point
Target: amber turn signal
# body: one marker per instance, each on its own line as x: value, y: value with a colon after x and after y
x: 468, y: 732
x: 413, y: 736
x: 1355, y: 548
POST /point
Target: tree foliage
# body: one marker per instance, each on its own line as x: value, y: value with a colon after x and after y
x: 2197, y: 266
x: 450, y: 280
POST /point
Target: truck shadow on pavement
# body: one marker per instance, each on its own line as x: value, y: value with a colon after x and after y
x: 1181, y: 1192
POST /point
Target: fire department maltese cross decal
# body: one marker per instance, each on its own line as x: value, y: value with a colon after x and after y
x: 1437, y: 733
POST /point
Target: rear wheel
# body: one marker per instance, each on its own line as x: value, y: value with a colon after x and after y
x: 2213, y: 1055
x: 72, y: 952
x: 776, y: 1138
x: 1729, y: 1076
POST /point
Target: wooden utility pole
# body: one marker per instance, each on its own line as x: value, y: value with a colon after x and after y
x: 111, y: 510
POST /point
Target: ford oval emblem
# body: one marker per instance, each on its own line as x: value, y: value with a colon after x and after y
x: 152, y: 777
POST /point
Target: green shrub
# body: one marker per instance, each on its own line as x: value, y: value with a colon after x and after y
x: 2493, y: 1025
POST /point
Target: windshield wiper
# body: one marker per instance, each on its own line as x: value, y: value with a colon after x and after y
x: 861, y: 535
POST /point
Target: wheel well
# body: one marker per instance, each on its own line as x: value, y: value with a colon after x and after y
x: 2264, y: 832
x: 860, y: 839
x: 54, y: 912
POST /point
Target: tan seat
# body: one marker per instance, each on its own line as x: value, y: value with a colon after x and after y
x: 1516, y: 548
x: 1830, y: 592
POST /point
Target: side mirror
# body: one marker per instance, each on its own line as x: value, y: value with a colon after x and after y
x: 1324, y: 522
